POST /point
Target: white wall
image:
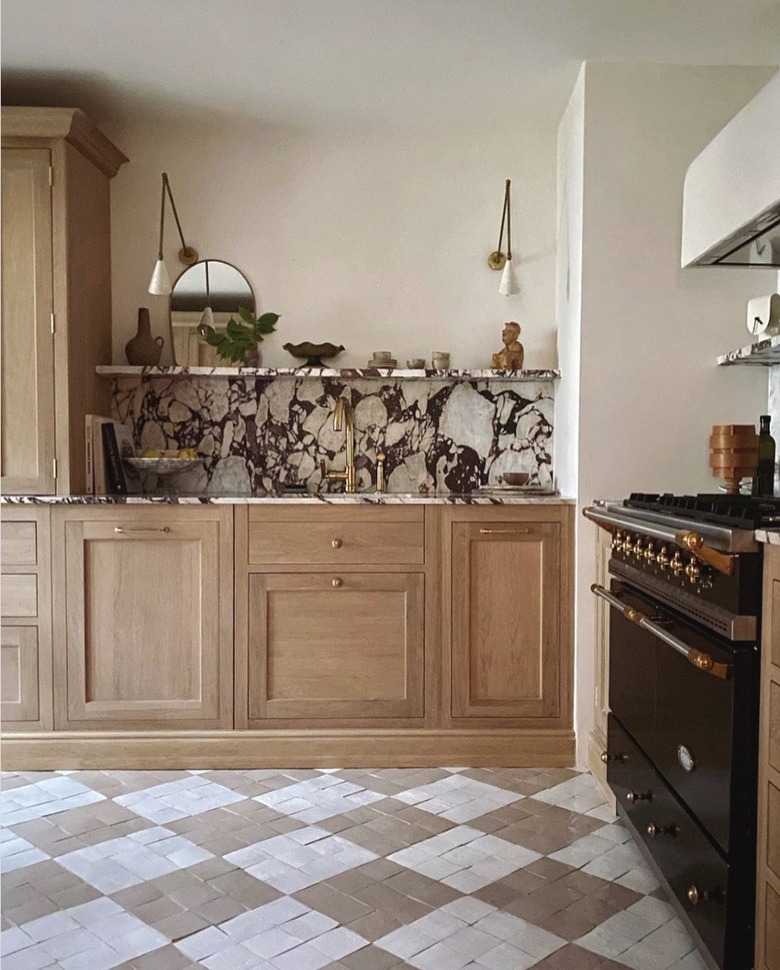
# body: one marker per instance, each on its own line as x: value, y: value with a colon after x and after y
x: 373, y: 239
x: 650, y: 331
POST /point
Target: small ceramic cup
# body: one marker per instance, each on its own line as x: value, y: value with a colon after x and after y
x: 440, y: 360
x: 383, y: 355
x: 416, y: 363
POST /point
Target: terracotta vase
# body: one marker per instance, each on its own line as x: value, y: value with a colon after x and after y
x: 144, y: 349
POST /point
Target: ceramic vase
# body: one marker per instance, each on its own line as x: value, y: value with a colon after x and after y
x: 144, y: 350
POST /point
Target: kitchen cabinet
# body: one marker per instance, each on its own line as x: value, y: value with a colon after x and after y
x: 330, y: 614
x: 508, y: 587
x: 25, y: 601
x: 768, y: 862
x: 56, y: 299
x: 143, y: 598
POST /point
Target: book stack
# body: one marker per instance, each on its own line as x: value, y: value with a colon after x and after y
x: 108, y: 443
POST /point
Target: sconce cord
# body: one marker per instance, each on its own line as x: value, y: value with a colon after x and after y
x: 506, y: 218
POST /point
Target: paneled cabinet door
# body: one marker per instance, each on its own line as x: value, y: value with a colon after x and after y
x: 27, y: 342
x: 143, y: 599
x: 506, y: 651
x: 323, y: 645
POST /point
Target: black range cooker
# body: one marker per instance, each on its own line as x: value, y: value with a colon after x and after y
x: 683, y: 690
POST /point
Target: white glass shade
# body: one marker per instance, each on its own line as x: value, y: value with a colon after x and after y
x: 160, y: 284
x: 508, y: 285
x: 206, y: 318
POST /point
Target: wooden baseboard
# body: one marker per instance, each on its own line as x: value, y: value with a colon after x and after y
x: 597, y: 745
x: 287, y: 749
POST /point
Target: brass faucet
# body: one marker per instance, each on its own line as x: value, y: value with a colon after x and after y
x: 342, y: 421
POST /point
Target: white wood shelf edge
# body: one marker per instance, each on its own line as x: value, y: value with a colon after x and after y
x: 763, y: 353
x: 344, y: 373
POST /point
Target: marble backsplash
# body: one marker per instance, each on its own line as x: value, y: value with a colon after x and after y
x: 258, y: 435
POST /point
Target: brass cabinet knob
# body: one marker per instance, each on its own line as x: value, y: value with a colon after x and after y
x: 639, y: 796
x: 605, y: 758
x: 652, y: 830
x: 336, y: 543
x: 337, y: 583
x: 694, y: 896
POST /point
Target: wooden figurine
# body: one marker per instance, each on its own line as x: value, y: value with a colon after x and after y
x: 511, y: 357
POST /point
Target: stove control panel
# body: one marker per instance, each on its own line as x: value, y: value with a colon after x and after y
x: 663, y: 559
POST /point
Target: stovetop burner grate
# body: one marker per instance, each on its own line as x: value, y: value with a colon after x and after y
x: 737, y: 511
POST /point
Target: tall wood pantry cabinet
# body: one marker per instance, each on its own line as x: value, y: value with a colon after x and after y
x: 56, y: 294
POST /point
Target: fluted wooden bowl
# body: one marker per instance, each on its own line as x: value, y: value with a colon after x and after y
x: 733, y: 453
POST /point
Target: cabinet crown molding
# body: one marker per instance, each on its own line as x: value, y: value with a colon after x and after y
x: 68, y: 123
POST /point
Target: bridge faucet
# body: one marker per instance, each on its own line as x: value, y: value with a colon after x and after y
x: 343, y: 421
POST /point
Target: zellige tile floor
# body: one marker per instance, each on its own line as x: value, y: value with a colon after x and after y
x: 439, y: 869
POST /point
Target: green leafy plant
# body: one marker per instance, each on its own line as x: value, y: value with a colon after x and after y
x: 240, y: 338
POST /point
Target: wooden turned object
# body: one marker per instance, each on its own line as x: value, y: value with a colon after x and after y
x: 733, y: 453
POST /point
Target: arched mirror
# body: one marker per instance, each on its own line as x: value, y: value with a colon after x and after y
x: 214, y: 283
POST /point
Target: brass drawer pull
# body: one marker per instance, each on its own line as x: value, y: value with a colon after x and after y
x: 121, y: 531
x: 503, y: 532
x: 336, y: 543
x: 337, y: 583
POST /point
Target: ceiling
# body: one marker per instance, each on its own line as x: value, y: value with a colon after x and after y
x: 411, y: 63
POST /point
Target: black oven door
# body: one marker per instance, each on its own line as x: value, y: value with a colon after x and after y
x: 697, y: 726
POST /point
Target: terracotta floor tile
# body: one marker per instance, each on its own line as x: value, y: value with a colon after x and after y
x: 330, y: 902
x: 572, y: 957
x: 374, y: 925
x: 372, y: 958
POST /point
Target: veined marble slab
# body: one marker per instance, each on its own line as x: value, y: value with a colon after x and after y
x: 345, y: 373
x: 334, y: 498
x: 257, y: 436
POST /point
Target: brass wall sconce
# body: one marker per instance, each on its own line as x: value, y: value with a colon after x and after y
x: 497, y: 260
x: 160, y: 283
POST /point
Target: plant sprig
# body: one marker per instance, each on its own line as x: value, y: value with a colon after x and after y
x: 239, y: 337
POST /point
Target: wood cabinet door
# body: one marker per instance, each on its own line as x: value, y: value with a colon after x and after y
x: 327, y: 645
x: 143, y: 608
x: 27, y: 449
x: 505, y: 621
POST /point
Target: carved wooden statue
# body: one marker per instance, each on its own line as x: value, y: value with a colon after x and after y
x: 511, y: 357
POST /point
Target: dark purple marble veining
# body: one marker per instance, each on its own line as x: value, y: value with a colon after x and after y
x: 259, y: 435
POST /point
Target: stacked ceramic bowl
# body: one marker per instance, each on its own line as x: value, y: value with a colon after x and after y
x: 383, y: 358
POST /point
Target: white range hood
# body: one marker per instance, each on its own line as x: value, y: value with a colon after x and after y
x: 731, y: 201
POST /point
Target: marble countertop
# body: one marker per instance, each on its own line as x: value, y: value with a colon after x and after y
x: 768, y: 536
x: 486, y: 497
x: 345, y: 373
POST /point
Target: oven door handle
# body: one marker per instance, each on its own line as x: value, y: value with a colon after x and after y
x: 699, y: 659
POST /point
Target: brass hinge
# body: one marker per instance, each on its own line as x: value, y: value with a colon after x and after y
x: 53, y: 324
x: 54, y: 468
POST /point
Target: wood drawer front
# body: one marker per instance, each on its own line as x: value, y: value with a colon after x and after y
x: 328, y: 646
x: 313, y: 535
x: 19, y: 648
x: 19, y: 544
x: 19, y: 595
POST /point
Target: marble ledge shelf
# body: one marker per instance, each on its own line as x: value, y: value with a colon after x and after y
x: 763, y: 353
x: 345, y: 373
x: 336, y: 498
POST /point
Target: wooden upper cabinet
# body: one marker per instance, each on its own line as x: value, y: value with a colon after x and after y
x: 510, y: 651
x: 143, y: 606
x: 27, y: 449
x: 56, y: 303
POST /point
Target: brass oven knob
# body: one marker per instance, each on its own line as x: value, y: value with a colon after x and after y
x: 638, y: 549
x: 337, y: 583
x: 650, y: 553
x: 336, y: 543
x: 639, y: 796
x: 628, y: 544
x: 676, y: 565
x: 693, y: 571
x: 617, y: 540
x: 662, y: 558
